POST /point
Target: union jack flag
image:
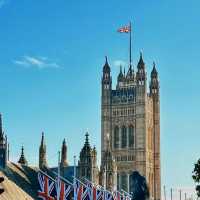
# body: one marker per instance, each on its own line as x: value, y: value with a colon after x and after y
x: 128, y: 197
x: 79, y: 190
x: 47, y: 187
x: 124, y: 29
x: 93, y: 193
x: 97, y: 194
x: 63, y: 190
x: 107, y: 195
x: 116, y: 195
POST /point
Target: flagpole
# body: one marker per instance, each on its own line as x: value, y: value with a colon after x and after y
x: 130, y: 46
x: 74, y: 182
x: 58, y: 179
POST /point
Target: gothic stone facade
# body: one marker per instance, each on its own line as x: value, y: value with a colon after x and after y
x: 130, y: 116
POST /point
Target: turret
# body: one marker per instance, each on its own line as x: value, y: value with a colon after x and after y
x: 42, y: 154
x: 154, y: 84
x: 106, y: 101
x: 85, y: 160
x: 130, y: 76
x: 154, y: 93
x: 120, y: 78
x: 141, y: 73
x: 22, y: 159
x: 64, y: 154
x: 3, y: 146
x: 106, y: 78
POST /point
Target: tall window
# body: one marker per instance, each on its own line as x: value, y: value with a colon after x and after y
x: 124, y: 182
x: 116, y: 137
x: 124, y: 137
x: 131, y: 136
x: 118, y: 182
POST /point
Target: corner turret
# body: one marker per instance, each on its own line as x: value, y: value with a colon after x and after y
x: 64, y: 162
x: 42, y: 154
x: 141, y: 73
x: 106, y: 78
x: 154, y: 83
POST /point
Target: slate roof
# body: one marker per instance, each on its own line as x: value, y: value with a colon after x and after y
x: 20, y: 182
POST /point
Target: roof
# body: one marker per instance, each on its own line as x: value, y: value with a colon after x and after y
x: 68, y: 172
x: 20, y: 182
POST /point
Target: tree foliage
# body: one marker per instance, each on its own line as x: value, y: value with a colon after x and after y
x: 139, y: 187
x: 196, y: 176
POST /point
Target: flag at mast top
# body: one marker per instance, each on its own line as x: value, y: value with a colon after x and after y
x: 125, y: 29
x: 128, y: 29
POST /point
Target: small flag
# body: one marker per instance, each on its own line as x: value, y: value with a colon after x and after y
x: 63, y: 190
x: 47, y: 187
x: 116, y: 195
x: 125, y: 29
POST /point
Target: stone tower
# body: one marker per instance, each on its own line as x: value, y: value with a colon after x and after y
x: 108, y: 170
x: 64, y: 155
x: 42, y: 154
x: 3, y: 146
x: 87, y: 164
x: 63, y: 163
x: 22, y: 159
x: 130, y: 116
x: 155, y: 94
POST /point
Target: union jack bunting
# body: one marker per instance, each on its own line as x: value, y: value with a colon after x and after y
x: 64, y: 191
x: 116, y: 195
x: 128, y: 197
x: 47, y: 187
x: 125, y: 196
x: 94, y: 192
x: 78, y: 187
x: 97, y: 194
x: 125, y: 29
x: 107, y: 195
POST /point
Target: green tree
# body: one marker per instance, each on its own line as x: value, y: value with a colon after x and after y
x: 196, y: 176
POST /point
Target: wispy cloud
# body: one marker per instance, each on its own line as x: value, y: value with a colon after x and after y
x: 2, y: 3
x: 37, y: 62
x: 118, y: 63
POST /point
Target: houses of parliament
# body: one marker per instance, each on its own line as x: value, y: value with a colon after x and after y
x: 130, y: 134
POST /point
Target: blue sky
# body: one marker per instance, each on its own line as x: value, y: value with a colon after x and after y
x: 51, y: 60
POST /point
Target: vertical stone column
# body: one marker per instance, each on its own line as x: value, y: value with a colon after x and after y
x: 128, y: 188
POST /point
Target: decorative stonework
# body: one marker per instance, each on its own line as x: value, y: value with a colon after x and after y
x: 131, y: 117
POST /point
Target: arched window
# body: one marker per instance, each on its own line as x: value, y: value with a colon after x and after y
x: 116, y: 137
x: 124, y: 137
x: 131, y: 136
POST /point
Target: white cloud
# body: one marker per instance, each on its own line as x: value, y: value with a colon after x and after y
x: 117, y: 63
x: 37, y: 62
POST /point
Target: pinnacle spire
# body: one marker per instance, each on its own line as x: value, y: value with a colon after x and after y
x: 64, y: 142
x: 120, y: 75
x: 106, y: 68
x: 106, y: 59
x: 87, y: 138
x: 42, y: 140
x: 141, y: 58
x: 22, y: 159
x: 1, y: 129
x: 42, y: 153
x: 64, y: 154
x: 154, y: 72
